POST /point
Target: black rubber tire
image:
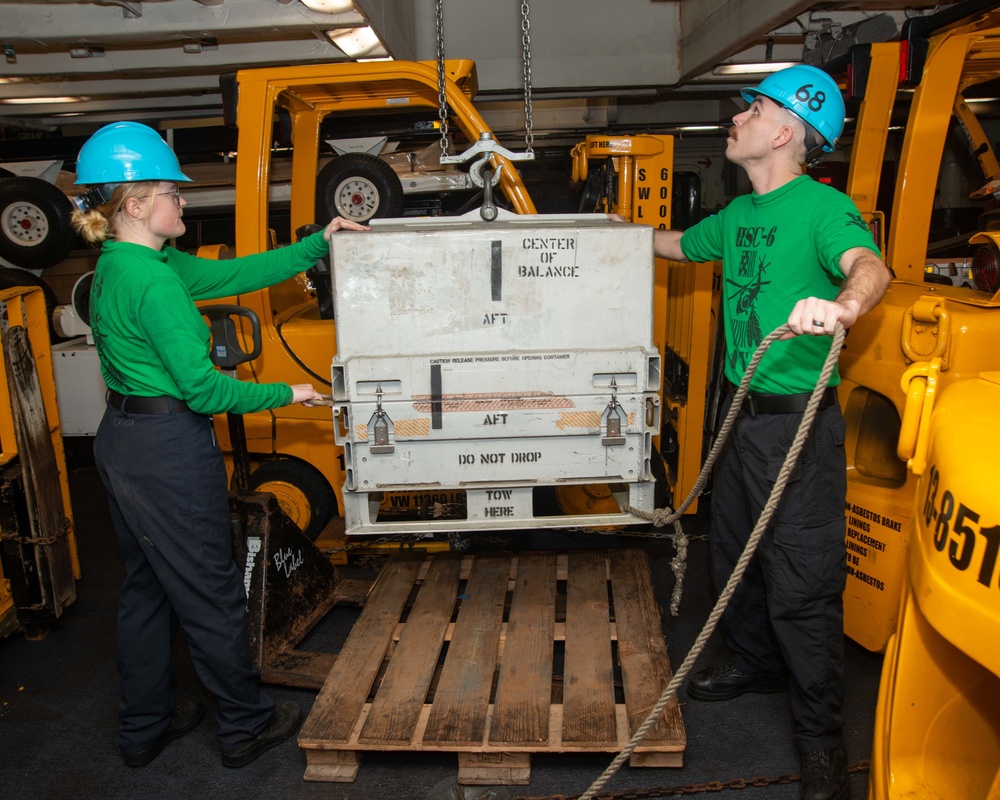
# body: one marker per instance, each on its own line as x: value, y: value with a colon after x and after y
x: 81, y: 296
x: 35, y: 229
x: 9, y: 278
x: 301, y: 490
x: 360, y: 187
x: 593, y: 190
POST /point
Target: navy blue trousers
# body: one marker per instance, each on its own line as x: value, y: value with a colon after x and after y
x: 167, y: 489
x: 787, y: 614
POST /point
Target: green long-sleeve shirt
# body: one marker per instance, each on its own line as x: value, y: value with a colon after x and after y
x: 150, y: 336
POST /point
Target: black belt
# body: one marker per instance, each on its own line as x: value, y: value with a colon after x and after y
x: 135, y: 404
x: 756, y: 403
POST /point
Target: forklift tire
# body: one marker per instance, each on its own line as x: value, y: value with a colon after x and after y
x: 35, y: 230
x: 359, y: 187
x: 9, y: 278
x: 301, y: 491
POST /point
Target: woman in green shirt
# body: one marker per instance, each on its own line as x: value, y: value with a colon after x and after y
x: 156, y: 449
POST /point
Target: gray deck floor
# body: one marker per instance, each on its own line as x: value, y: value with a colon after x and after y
x: 58, y: 699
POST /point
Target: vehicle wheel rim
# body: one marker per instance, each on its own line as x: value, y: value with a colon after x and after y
x: 24, y: 223
x: 291, y: 500
x: 356, y: 199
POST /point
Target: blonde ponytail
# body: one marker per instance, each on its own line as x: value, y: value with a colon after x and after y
x: 91, y: 224
x: 96, y: 225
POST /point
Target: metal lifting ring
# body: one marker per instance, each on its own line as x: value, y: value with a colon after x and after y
x: 476, y: 172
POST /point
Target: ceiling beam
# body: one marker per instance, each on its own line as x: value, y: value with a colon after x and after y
x: 714, y: 30
x: 121, y: 86
x: 226, y: 57
x: 182, y: 105
x: 393, y: 22
x: 35, y: 25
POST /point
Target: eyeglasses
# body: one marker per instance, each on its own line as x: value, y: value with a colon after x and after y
x: 174, y: 194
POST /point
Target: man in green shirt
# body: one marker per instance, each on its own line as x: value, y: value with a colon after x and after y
x: 798, y: 252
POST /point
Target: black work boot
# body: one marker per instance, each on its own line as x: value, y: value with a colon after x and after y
x: 186, y: 717
x: 284, y: 722
x: 724, y: 682
x: 824, y: 775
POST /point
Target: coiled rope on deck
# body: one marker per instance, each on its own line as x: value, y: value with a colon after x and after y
x: 661, y: 517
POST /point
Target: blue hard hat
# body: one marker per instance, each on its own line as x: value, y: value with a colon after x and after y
x: 126, y: 152
x: 810, y: 94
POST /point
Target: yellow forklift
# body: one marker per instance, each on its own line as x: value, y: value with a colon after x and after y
x: 633, y: 176
x: 919, y: 384
x: 39, y: 565
x: 923, y: 336
x: 292, y: 450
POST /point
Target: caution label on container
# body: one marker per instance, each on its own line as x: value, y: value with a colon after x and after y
x: 506, y: 357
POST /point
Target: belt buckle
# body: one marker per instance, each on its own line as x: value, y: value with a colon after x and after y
x: 749, y: 405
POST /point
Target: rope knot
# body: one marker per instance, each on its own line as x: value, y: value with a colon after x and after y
x: 662, y: 517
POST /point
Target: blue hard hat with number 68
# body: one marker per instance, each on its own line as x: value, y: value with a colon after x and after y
x: 126, y: 152
x: 810, y: 94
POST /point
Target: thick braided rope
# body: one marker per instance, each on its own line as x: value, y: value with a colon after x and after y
x: 741, y: 565
x: 661, y: 517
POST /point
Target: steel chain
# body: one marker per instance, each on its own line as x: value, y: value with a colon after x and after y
x: 37, y: 541
x: 644, y: 534
x: 529, y: 136
x: 757, y: 782
x: 442, y: 99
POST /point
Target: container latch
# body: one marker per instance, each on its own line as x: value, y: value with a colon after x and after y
x: 380, y: 427
x: 614, y: 415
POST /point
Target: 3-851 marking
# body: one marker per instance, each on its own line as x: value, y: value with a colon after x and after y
x: 955, y: 525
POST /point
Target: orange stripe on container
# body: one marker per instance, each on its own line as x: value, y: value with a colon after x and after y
x: 405, y: 427
x: 584, y: 419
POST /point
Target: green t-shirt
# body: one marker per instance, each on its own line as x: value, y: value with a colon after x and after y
x: 777, y: 249
x: 150, y: 336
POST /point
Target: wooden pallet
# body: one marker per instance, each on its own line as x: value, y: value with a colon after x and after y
x: 494, y: 657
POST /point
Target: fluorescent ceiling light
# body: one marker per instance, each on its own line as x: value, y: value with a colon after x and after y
x: 358, y: 42
x: 702, y: 127
x: 751, y: 68
x: 25, y: 101
x: 329, y: 6
x: 981, y: 100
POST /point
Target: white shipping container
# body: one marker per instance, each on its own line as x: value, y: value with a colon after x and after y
x: 494, y: 358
